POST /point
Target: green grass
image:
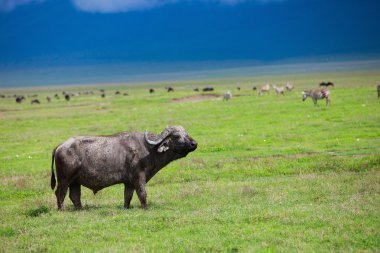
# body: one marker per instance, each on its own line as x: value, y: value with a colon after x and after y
x: 271, y: 173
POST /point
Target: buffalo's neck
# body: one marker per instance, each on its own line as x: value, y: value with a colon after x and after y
x: 158, y: 161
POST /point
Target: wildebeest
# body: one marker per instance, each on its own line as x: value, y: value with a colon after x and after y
x: 125, y: 158
x: 254, y: 88
x: 151, y: 90
x: 278, y: 89
x: 56, y: 96
x: 117, y: 92
x: 326, y: 84
x: 169, y: 89
x: 19, y: 99
x: 67, y: 97
x: 378, y: 90
x: 35, y: 101
x: 264, y: 89
x: 289, y: 87
x: 103, y: 95
x: 48, y: 98
x: 315, y: 95
x: 238, y: 88
x: 196, y: 89
x: 208, y: 89
x: 227, y: 96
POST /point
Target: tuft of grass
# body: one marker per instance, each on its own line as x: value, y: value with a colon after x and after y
x: 35, y: 212
x: 7, y: 232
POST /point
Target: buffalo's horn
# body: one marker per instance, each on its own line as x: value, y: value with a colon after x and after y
x: 163, y: 135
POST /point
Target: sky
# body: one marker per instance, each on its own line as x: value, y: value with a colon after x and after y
x: 37, y: 33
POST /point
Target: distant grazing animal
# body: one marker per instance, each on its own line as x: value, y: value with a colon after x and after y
x: 19, y: 99
x: 208, y: 89
x: 125, y: 94
x: 238, y: 88
x: 196, y: 89
x: 103, y: 95
x: 67, y: 97
x: 169, y: 89
x: 2, y: 96
x: 326, y: 84
x: 378, y: 90
x: 102, y: 90
x: 56, y: 96
x: 289, y: 87
x: 125, y: 158
x: 48, y: 98
x: 254, y: 88
x: 151, y: 90
x: 117, y: 92
x: 227, y: 96
x: 35, y: 101
x: 279, y: 90
x: 264, y: 89
x: 316, y: 95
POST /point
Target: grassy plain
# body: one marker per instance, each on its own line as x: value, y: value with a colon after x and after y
x: 271, y: 173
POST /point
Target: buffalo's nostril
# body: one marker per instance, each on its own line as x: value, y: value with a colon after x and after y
x: 193, y: 144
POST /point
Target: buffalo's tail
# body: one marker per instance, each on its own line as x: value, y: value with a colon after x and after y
x: 52, y: 181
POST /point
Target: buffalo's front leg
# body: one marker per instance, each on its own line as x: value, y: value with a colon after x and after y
x: 128, y: 193
x: 140, y: 190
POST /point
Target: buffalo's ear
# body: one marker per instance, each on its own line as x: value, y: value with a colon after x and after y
x: 163, y: 147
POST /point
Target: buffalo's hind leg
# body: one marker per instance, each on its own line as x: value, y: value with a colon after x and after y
x: 75, y: 195
x: 60, y: 193
x: 128, y: 193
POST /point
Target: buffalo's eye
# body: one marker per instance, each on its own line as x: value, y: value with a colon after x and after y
x: 176, y: 136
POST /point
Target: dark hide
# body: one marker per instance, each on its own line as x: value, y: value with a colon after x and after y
x: 125, y: 158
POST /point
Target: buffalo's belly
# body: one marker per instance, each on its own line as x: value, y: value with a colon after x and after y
x: 100, y: 178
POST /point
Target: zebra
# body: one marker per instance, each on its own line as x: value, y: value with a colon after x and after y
x: 227, y: 96
x: 278, y: 90
x: 264, y: 88
x: 289, y: 87
x: 317, y: 94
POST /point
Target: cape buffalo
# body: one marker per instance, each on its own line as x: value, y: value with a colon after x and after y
x: 169, y: 89
x: 208, y: 89
x: 125, y: 158
x: 19, y: 99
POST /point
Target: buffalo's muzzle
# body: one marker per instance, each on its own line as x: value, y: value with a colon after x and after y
x: 193, y: 145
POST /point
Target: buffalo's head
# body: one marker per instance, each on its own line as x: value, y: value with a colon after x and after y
x: 174, y: 139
